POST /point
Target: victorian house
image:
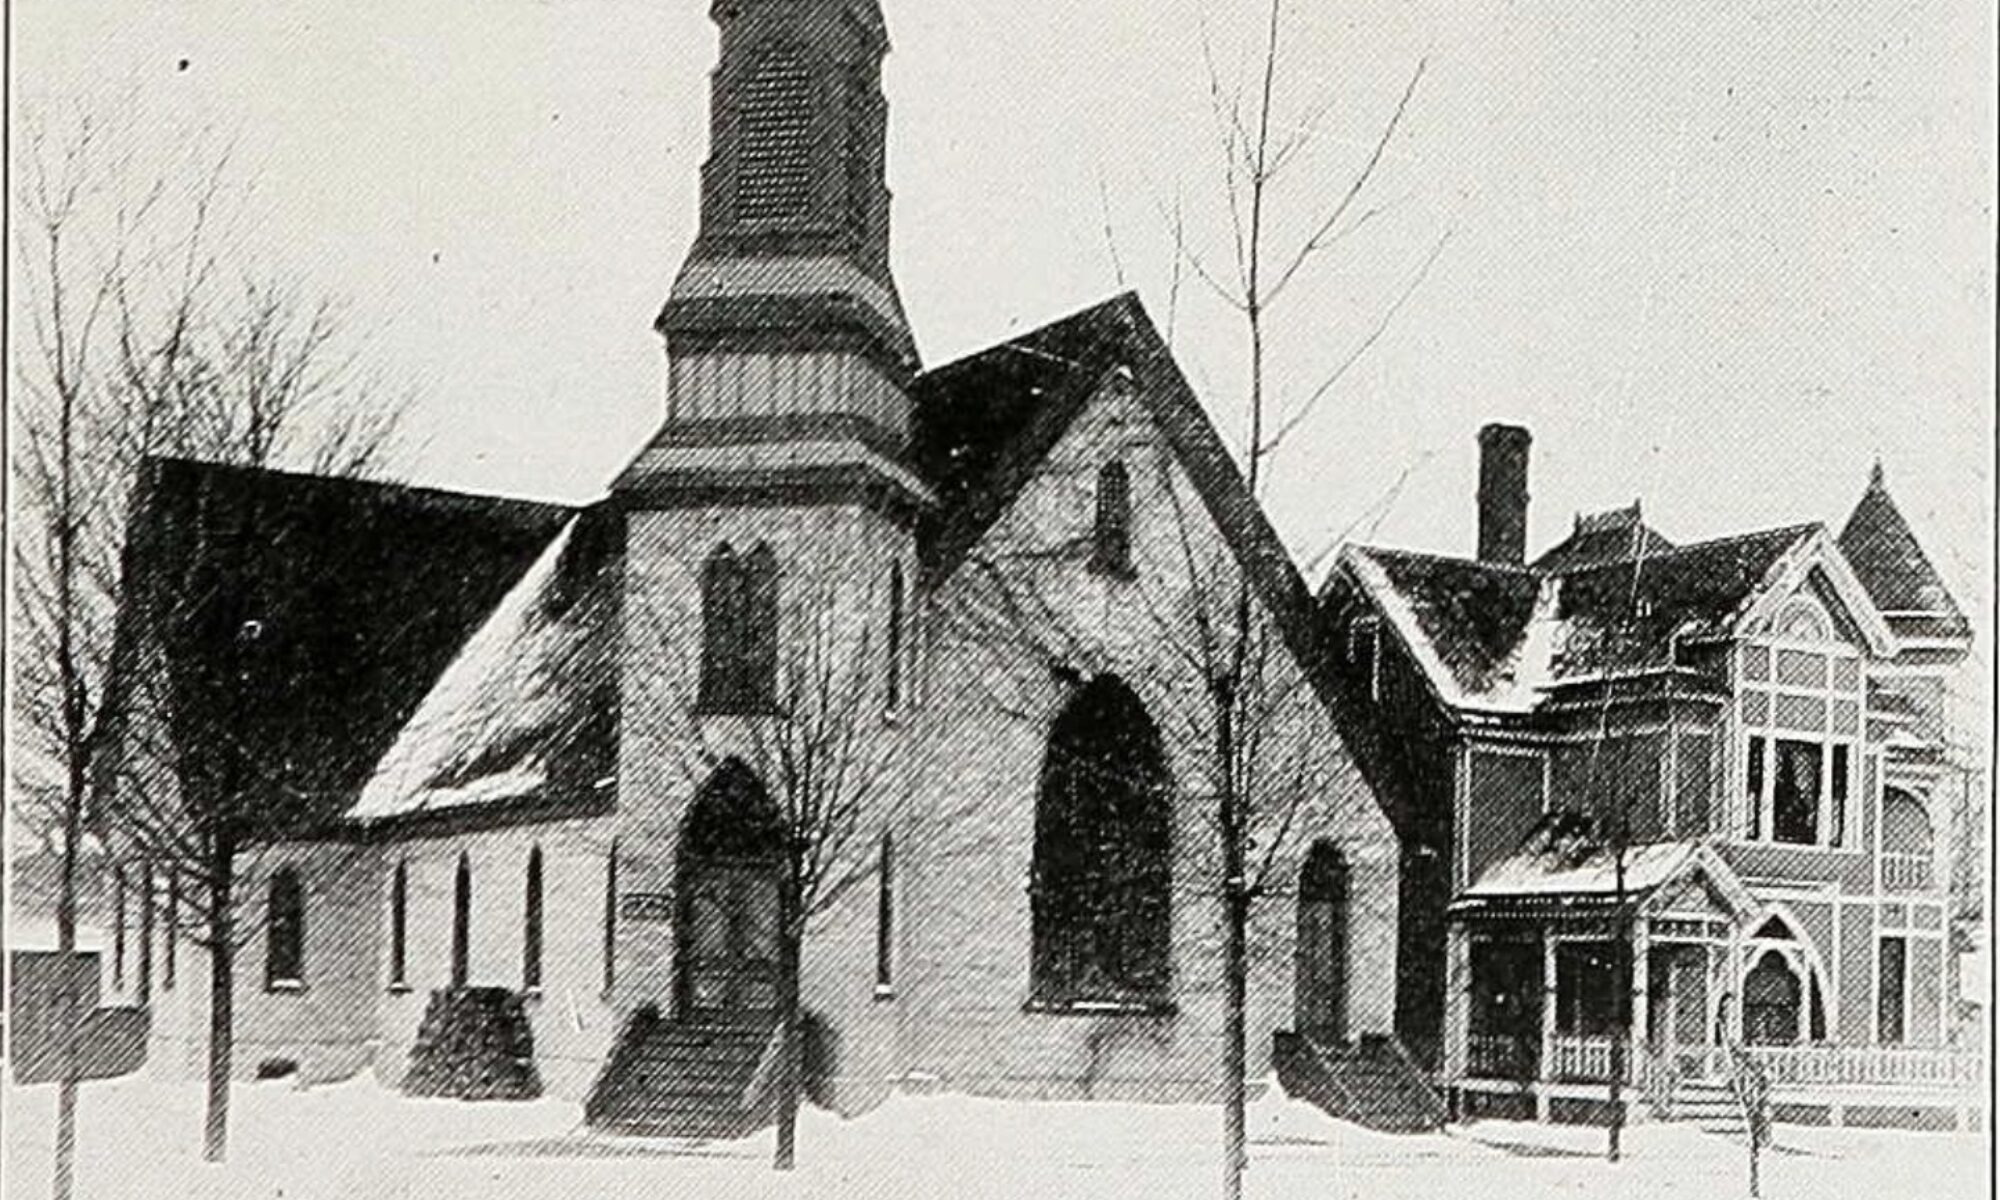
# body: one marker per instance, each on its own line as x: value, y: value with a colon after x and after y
x: 1698, y: 792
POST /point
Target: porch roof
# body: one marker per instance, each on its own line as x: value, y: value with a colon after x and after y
x: 1659, y: 877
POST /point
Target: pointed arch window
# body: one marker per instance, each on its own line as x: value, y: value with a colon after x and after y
x: 611, y: 918
x: 739, y: 618
x: 885, y: 917
x: 118, y: 928
x: 893, y: 667
x: 531, y: 925
x: 399, y: 925
x: 1111, y: 537
x: 285, y: 931
x: 461, y: 922
x: 1100, y: 890
x: 169, y: 948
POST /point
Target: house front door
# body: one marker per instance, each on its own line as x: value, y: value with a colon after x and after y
x: 729, y: 942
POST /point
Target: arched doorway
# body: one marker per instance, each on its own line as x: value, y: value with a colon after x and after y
x: 1322, y: 950
x: 1103, y: 874
x: 727, y: 935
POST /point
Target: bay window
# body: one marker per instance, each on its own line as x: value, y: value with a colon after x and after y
x: 1799, y: 705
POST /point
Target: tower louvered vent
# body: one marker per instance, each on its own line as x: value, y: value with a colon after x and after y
x: 774, y: 172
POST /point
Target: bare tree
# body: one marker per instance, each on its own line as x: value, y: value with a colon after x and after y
x: 143, y: 339
x: 1259, y: 150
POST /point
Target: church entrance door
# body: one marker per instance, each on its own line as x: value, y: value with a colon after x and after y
x: 727, y: 943
x: 1322, y: 943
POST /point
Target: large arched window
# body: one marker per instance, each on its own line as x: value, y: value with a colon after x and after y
x: 739, y: 622
x: 461, y: 923
x: 531, y: 924
x: 1907, y: 843
x: 285, y: 931
x: 774, y: 150
x: 1102, y: 874
x: 1111, y: 536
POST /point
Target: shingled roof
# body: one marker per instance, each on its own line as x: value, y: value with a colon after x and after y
x: 1897, y: 574
x: 329, y: 606
x: 1500, y: 637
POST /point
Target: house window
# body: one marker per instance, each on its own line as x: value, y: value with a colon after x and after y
x: 1111, y: 540
x: 774, y: 154
x: 399, y: 924
x: 531, y: 925
x: 1800, y: 705
x: 1891, y: 986
x: 739, y: 616
x: 1795, y: 792
x: 1101, y: 879
x: 285, y: 931
x: 461, y: 923
x: 894, y: 666
x: 885, y: 916
x: 611, y: 917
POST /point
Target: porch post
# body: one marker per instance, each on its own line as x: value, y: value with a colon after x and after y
x: 1457, y: 1001
x: 1639, y: 1045
x: 1548, y: 1024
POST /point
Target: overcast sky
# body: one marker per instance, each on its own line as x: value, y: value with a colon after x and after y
x: 1718, y: 254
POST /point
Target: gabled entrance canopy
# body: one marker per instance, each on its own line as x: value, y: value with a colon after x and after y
x: 1661, y: 879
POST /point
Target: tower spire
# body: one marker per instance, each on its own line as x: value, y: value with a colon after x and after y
x: 784, y: 324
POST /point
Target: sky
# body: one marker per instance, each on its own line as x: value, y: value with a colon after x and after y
x: 1718, y: 255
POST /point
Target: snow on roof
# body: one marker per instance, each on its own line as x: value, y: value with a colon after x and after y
x: 518, y: 700
x: 1535, y: 872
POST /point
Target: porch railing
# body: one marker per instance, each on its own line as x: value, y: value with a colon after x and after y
x: 1575, y: 1059
x: 1878, y: 1066
x: 1495, y: 1056
x: 1906, y: 872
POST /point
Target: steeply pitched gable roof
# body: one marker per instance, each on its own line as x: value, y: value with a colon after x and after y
x: 984, y: 424
x: 325, y: 607
x: 1498, y: 637
x: 1899, y: 577
x: 527, y: 713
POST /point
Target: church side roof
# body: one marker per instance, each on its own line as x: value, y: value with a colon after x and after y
x: 1899, y: 577
x: 527, y: 712
x: 359, y: 594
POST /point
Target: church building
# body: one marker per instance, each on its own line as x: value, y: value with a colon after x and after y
x: 488, y: 743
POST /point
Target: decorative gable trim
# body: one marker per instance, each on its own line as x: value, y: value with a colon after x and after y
x: 1791, y: 572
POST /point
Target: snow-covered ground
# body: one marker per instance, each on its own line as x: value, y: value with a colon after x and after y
x: 141, y: 1138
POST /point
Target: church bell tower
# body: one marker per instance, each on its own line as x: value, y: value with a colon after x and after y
x: 786, y: 341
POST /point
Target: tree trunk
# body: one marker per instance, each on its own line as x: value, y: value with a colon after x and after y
x: 221, y: 998
x: 788, y: 1046
x: 1235, y: 913
x: 1233, y: 967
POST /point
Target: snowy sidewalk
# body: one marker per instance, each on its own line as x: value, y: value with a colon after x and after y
x: 142, y: 1139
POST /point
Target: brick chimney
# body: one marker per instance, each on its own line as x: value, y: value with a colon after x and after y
x: 1503, y: 494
